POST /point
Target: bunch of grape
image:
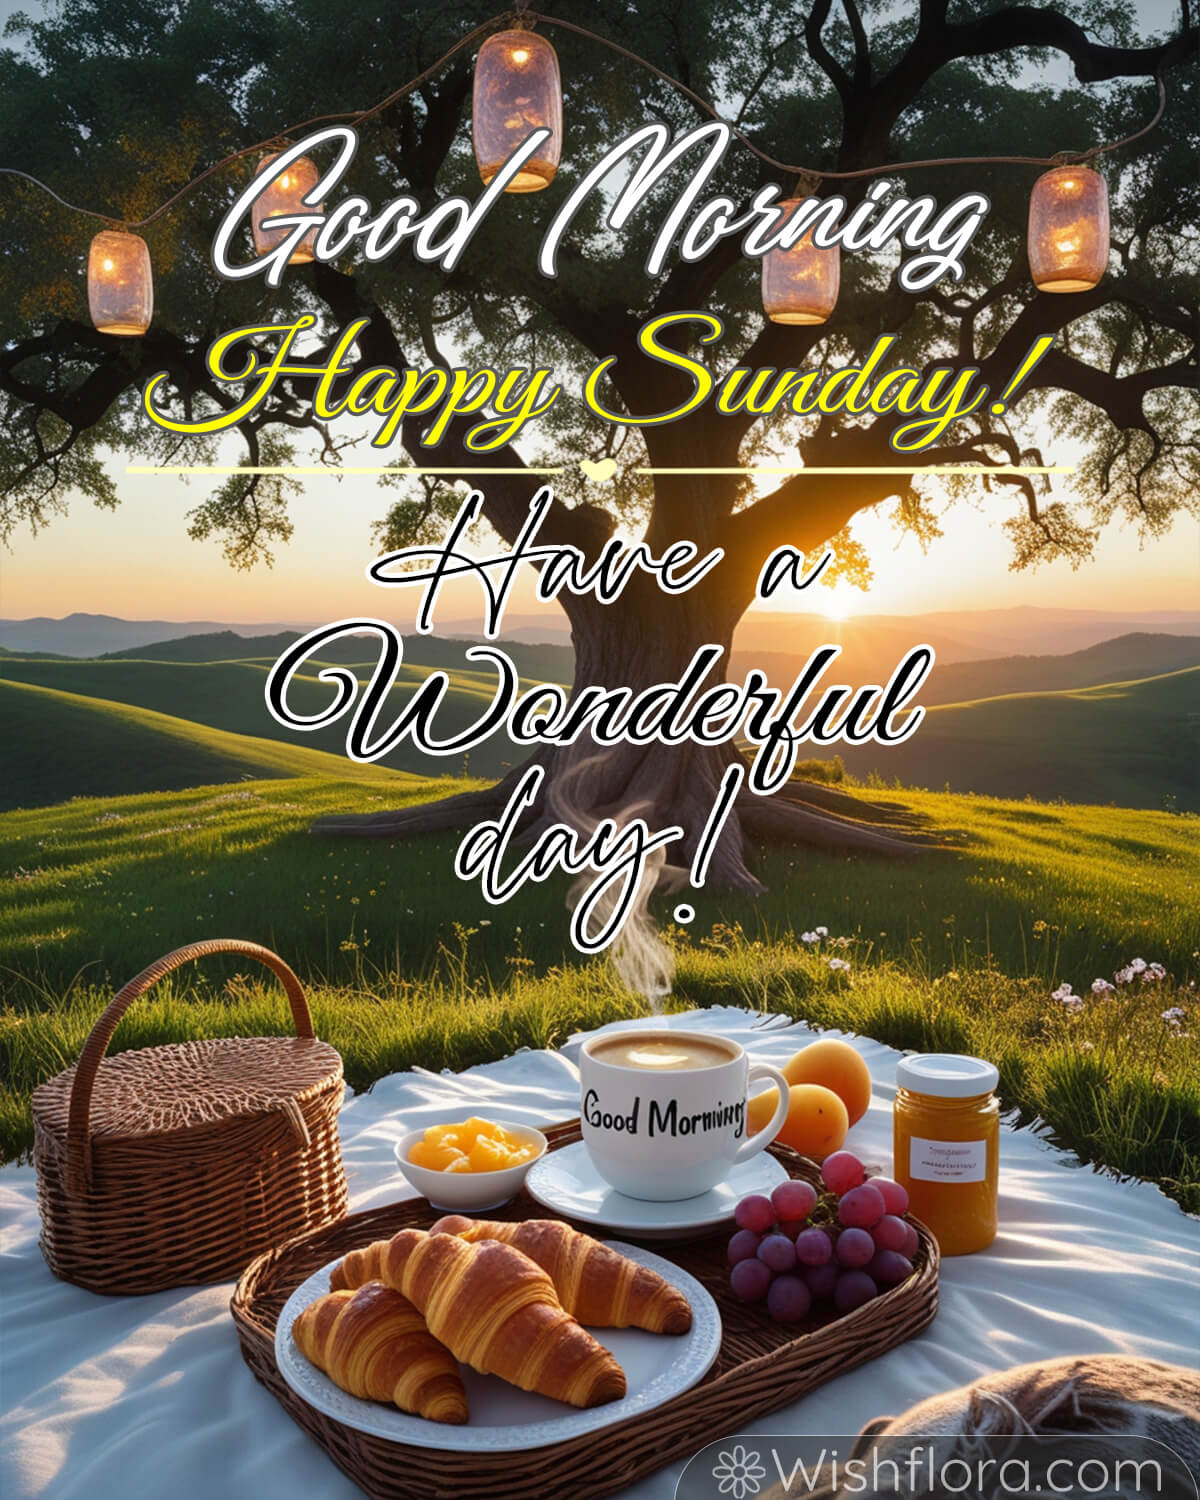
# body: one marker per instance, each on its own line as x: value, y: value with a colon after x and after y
x: 845, y: 1245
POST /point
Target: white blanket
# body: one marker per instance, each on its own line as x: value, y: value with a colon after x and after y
x: 145, y: 1397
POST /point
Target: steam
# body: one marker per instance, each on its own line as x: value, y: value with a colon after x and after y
x: 642, y: 960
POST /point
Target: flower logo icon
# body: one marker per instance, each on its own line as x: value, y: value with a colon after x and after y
x: 738, y: 1473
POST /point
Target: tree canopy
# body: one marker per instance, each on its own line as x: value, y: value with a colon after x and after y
x: 117, y: 103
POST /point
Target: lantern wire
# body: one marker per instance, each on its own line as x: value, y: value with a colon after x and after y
x: 524, y: 16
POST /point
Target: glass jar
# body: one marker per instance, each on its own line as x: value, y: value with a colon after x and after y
x: 946, y: 1140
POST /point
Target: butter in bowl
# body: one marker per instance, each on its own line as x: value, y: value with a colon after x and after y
x: 471, y: 1165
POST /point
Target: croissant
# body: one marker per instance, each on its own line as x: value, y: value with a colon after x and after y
x: 596, y: 1285
x: 375, y: 1344
x: 497, y: 1311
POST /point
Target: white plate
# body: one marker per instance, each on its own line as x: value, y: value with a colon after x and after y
x: 504, y: 1419
x: 567, y: 1182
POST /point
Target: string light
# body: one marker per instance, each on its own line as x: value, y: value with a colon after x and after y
x: 518, y: 89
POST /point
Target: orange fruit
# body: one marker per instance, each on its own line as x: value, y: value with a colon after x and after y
x: 839, y: 1067
x: 817, y: 1120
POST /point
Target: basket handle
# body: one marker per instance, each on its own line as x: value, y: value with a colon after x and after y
x: 79, y: 1144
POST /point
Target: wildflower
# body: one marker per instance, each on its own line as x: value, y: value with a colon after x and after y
x: 839, y: 966
x: 809, y: 937
x: 1174, y: 1016
x: 1125, y: 976
x: 1067, y: 997
x: 1039, y: 927
x: 1087, y: 1046
x: 1154, y: 971
x: 1101, y: 987
x: 821, y: 931
x: 485, y: 921
x: 1138, y: 965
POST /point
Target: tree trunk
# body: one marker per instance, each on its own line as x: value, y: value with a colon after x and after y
x: 649, y: 637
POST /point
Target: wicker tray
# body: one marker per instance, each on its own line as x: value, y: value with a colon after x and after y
x: 760, y: 1368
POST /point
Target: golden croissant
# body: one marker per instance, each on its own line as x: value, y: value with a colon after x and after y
x: 375, y: 1344
x: 596, y: 1285
x: 495, y: 1310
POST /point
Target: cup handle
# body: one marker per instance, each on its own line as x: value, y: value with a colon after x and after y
x: 767, y: 1134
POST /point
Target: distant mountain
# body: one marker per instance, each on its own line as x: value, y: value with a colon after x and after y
x: 92, y: 635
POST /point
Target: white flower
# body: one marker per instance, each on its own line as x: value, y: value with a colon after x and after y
x: 1125, y: 976
x: 1173, y: 1016
x: 1138, y: 965
x: 809, y: 937
x: 1154, y: 971
x: 822, y: 931
x: 839, y: 966
x: 1102, y: 987
x: 739, y: 1473
x: 1064, y: 993
x: 1087, y: 1046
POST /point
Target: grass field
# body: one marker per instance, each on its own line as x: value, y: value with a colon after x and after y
x: 1084, y: 744
x: 959, y: 949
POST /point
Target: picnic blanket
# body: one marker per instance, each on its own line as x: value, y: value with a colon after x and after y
x: 145, y: 1397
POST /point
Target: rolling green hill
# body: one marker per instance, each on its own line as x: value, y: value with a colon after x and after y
x: 544, y: 662
x: 63, y: 745
x: 1135, y: 744
x: 228, y: 695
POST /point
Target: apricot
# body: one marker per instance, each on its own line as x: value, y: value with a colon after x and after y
x: 817, y: 1119
x: 837, y: 1066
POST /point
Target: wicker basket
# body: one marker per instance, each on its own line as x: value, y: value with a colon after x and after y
x: 761, y: 1366
x: 175, y: 1166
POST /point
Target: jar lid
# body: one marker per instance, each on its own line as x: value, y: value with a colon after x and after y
x: 946, y: 1075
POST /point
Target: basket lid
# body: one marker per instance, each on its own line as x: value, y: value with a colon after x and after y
x: 186, y: 1085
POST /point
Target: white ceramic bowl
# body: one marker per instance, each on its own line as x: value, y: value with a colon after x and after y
x: 470, y: 1192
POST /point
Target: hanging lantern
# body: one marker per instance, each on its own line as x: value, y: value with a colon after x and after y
x: 800, y: 285
x: 120, y: 284
x: 518, y: 90
x: 1068, y: 229
x: 286, y: 196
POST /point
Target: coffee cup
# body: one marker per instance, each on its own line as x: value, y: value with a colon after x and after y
x: 663, y: 1113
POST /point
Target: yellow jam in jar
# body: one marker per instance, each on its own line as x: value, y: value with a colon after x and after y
x: 946, y: 1144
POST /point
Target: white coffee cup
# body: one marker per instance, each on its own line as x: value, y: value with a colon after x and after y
x: 670, y: 1131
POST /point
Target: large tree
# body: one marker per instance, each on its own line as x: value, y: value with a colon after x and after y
x: 117, y: 103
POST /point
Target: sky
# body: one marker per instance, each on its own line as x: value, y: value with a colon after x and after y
x: 138, y: 562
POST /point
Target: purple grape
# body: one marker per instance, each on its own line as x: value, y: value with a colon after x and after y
x: 895, y: 1196
x: 854, y: 1248
x: 841, y: 1172
x: 814, y: 1247
x: 789, y: 1299
x: 889, y: 1267
x: 749, y: 1280
x: 755, y: 1212
x: 821, y: 1280
x: 853, y: 1289
x: 861, y: 1207
x: 890, y: 1233
x: 743, y: 1246
x: 794, y: 1200
x: 777, y: 1252
x: 912, y: 1244
x: 792, y: 1227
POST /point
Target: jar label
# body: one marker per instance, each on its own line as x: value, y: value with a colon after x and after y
x: 947, y: 1161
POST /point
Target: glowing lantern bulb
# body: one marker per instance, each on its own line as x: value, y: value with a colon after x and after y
x: 285, y: 196
x: 800, y: 284
x: 518, y: 89
x: 1068, y: 229
x: 120, y: 283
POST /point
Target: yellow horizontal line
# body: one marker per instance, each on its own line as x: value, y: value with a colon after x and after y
x: 880, y: 469
x: 326, y: 469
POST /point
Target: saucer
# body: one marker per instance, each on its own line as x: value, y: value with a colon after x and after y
x: 567, y: 1182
